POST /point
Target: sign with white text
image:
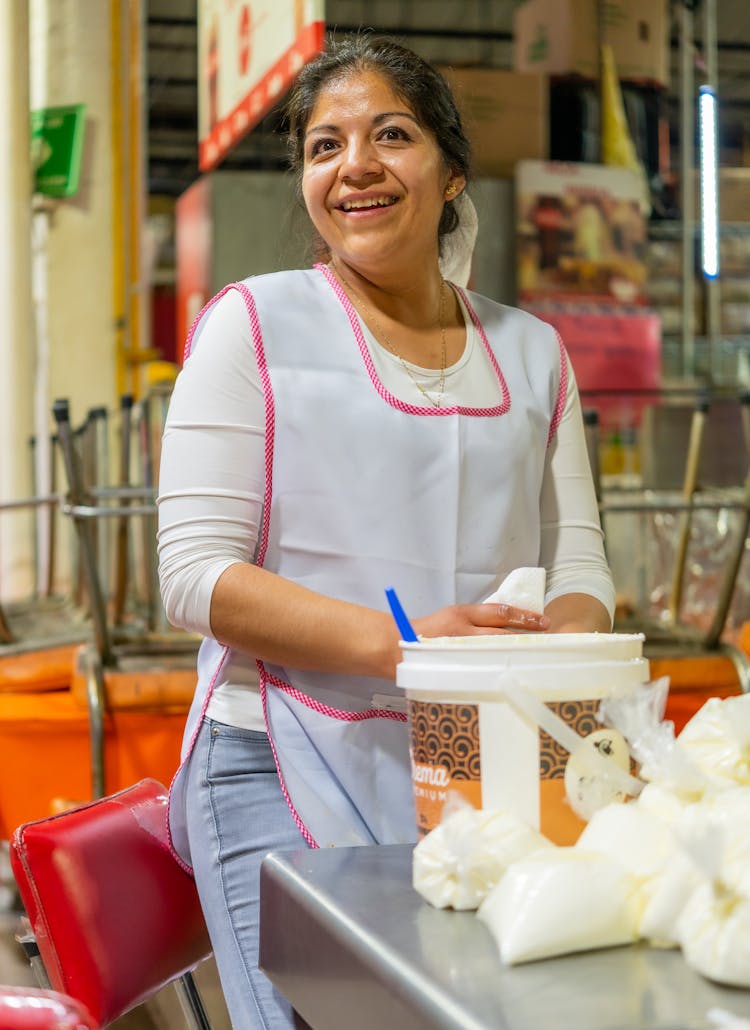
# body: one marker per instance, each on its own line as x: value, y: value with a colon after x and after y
x: 249, y: 53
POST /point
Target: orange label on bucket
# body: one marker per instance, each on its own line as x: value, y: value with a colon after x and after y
x: 445, y: 758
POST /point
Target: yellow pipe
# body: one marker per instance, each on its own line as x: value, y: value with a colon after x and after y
x: 135, y: 191
x: 119, y: 298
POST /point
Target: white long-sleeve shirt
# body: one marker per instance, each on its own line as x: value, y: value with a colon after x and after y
x: 212, y: 481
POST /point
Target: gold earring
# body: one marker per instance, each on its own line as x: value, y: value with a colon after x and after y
x: 450, y: 190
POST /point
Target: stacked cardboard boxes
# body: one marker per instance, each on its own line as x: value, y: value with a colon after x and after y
x: 561, y: 37
x: 582, y: 233
x: 505, y: 114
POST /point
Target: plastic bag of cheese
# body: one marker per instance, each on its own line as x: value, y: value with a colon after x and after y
x: 712, y: 841
x: 717, y: 740
x: 660, y: 756
x: 459, y: 862
x: 663, y: 803
x: 630, y: 835
x: 723, y: 816
x: 714, y: 925
x: 560, y: 901
x: 714, y: 932
x: 668, y: 893
x: 646, y: 845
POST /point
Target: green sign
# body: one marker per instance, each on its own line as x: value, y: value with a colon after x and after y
x: 56, y: 148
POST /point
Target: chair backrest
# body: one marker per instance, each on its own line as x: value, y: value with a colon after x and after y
x: 114, y: 914
x: 24, y: 1008
x: 665, y: 434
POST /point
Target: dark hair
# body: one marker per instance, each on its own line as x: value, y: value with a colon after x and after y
x: 422, y: 87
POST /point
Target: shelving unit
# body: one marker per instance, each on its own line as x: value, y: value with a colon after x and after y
x: 731, y: 363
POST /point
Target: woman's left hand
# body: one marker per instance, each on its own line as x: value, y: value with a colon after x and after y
x: 466, y: 620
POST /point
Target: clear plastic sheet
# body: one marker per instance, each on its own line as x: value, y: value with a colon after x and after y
x: 641, y: 548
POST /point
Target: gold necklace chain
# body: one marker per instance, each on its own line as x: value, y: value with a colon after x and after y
x: 436, y: 402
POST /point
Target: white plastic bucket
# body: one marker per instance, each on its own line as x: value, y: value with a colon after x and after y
x: 465, y: 735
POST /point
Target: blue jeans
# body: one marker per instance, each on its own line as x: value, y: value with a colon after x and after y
x: 236, y: 814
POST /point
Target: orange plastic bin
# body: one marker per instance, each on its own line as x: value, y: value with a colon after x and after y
x: 42, y: 669
x: 692, y: 681
x: 45, y: 752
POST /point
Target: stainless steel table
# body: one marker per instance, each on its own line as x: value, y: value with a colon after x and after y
x: 346, y: 938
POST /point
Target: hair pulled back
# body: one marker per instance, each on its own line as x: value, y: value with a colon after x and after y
x: 412, y: 78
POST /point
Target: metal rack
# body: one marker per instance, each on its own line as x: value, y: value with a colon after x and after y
x: 119, y: 643
x: 673, y: 637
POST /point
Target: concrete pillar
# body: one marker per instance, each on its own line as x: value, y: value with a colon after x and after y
x: 73, y: 269
x: 16, y: 334
x: 71, y: 64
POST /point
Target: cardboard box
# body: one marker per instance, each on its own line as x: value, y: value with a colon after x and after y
x: 505, y: 115
x: 561, y: 37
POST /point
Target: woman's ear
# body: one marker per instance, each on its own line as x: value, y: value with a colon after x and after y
x: 456, y: 184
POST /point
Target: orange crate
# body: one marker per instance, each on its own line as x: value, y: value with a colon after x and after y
x: 45, y: 669
x: 45, y: 752
x: 692, y: 681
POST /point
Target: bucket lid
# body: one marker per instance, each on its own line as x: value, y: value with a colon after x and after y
x: 543, y: 646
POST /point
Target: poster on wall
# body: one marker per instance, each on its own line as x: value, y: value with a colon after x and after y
x: 581, y: 234
x: 249, y: 52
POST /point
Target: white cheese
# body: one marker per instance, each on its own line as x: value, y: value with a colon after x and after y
x: 561, y: 901
x: 459, y: 862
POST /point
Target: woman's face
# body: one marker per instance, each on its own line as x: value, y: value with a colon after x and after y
x: 373, y: 179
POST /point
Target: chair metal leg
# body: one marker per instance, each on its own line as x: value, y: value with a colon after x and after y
x: 741, y: 664
x: 27, y: 940
x: 96, y: 701
x: 77, y: 496
x: 734, y: 560
x: 149, y: 567
x: 6, y: 635
x: 122, y: 537
x: 690, y: 481
x: 191, y: 1002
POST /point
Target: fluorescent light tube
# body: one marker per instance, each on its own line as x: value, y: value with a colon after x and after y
x: 707, y: 106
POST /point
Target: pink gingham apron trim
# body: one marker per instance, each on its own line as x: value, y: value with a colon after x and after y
x: 415, y: 409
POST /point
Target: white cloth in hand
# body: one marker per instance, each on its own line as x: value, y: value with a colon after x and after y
x: 522, y: 588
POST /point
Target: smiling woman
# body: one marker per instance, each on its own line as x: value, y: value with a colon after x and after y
x: 375, y: 184
x: 336, y: 430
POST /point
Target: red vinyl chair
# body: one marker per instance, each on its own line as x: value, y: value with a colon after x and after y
x: 24, y: 1008
x: 113, y: 915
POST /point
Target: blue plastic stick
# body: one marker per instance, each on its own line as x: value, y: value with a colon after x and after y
x: 405, y: 628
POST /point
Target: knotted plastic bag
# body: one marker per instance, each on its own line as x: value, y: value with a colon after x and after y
x: 459, y: 862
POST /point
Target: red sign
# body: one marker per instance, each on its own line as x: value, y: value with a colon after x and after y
x: 193, y: 246
x: 615, y: 354
x: 249, y: 53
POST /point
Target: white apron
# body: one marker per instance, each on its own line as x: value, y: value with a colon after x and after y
x: 364, y: 492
